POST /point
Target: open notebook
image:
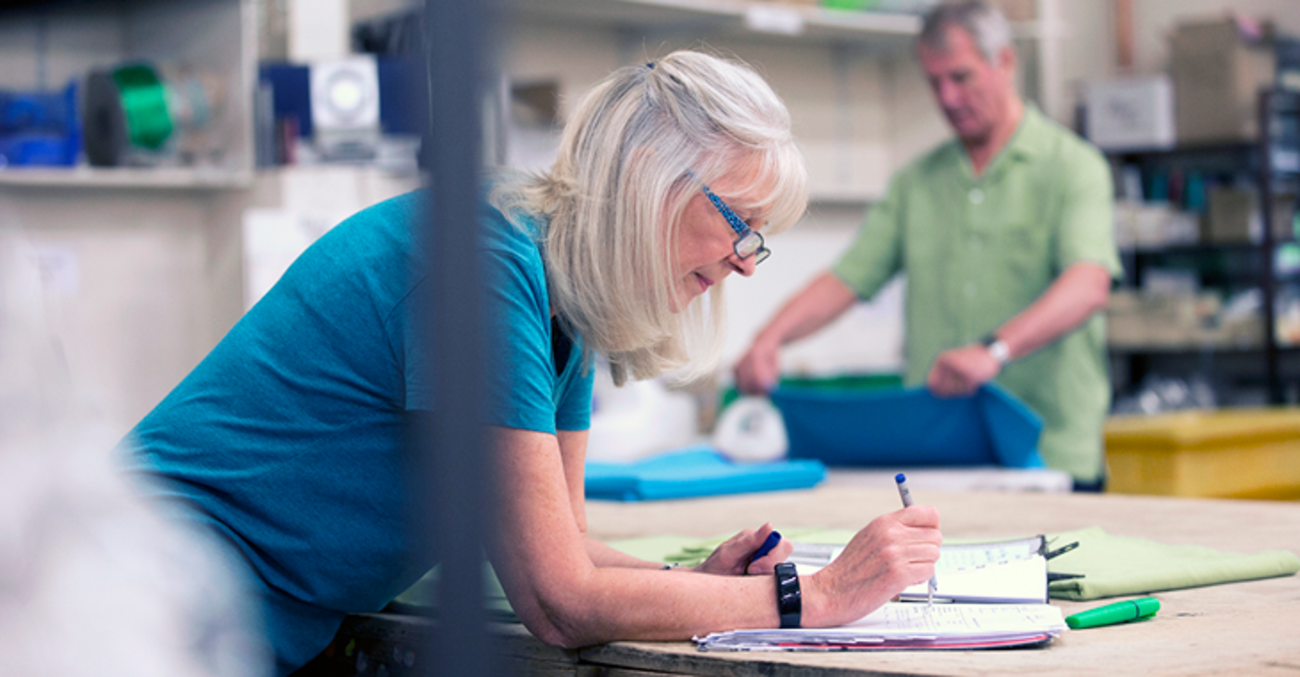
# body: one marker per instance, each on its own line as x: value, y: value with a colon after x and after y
x: 1001, y: 572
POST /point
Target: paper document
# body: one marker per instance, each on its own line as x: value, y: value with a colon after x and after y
x: 908, y: 626
x: 1009, y: 572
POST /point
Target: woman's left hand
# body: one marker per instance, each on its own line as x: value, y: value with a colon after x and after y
x: 732, y: 557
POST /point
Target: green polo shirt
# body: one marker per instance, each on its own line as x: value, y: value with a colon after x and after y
x: 978, y: 250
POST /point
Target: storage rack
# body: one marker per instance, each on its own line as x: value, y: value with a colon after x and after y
x: 1273, y: 161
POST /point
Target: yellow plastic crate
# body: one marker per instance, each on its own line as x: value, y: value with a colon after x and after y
x: 1232, y: 453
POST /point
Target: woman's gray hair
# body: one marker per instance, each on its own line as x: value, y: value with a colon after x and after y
x: 615, y: 196
x: 986, y: 25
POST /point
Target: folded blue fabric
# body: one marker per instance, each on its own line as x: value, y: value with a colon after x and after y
x: 695, y: 471
x: 910, y: 427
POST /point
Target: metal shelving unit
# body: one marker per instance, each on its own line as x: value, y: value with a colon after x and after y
x: 1273, y: 163
x: 884, y: 31
x: 218, y: 36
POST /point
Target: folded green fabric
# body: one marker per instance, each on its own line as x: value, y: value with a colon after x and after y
x: 689, y: 552
x: 423, y: 595
x: 1111, y: 565
x: 1122, y: 565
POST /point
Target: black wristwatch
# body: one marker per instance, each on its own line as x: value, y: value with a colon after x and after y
x: 789, y: 601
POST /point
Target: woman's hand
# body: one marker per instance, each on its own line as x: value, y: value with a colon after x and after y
x: 732, y: 557
x: 895, y: 551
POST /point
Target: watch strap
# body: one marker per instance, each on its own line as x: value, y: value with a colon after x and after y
x: 997, y: 348
x: 789, y: 601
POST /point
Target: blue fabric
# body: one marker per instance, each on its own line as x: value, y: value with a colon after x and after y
x: 697, y: 471
x: 910, y: 427
x: 288, y: 440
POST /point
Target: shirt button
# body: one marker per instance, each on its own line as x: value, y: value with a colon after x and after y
x: 970, y: 290
x: 977, y: 196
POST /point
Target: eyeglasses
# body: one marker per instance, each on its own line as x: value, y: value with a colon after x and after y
x: 749, y: 243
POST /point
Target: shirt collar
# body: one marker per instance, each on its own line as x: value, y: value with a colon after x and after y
x: 1024, y: 143
x: 1022, y: 146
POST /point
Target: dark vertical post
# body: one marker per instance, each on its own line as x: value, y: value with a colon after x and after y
x: 1268, y: 279
x: 456, y: 35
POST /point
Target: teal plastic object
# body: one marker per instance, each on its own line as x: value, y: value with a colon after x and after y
x: 910, y: 428
x: 695, y: 471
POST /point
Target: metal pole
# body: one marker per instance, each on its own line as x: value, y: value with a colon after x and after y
x: 1268, y: 279
x: 455, y: 39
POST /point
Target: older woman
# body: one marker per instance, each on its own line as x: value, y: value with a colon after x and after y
x: 287, y: 441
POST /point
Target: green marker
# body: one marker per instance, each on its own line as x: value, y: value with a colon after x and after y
x: 1119, y: 612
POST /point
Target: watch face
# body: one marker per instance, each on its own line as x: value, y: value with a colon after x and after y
x: 1000, y: 351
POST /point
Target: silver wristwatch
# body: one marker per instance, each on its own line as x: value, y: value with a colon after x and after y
x: 997, y: 348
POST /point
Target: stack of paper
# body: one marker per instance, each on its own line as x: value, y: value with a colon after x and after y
x: 908, y: 626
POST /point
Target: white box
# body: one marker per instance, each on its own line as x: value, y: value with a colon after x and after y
x: 1132, y: 113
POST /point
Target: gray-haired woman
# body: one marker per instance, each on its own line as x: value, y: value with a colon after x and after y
x: 287, y: 441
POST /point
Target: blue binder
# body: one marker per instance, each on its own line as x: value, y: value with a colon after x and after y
x: 695, y: 471
x: 910, y: 427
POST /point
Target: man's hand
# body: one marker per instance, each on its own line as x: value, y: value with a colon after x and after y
x: 961, y: 370
x: 758, y: 370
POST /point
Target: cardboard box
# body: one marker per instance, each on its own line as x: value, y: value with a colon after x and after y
x: 1017, y: 10
x: 1217, y: 76
x: 1132, y: 114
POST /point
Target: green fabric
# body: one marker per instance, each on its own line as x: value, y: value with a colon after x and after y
x: 1112, y: 565
x: 692, y: 551
x: 979, y: 250
x: 1122, y: 565
x: 424, y: 595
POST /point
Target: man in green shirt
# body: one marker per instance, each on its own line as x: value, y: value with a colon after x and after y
x: 1005, y: 235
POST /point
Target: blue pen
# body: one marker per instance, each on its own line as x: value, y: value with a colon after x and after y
x: 772, y: 539
x: 906, y: 495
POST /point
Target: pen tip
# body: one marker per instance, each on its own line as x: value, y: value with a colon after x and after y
x: 900, y: 478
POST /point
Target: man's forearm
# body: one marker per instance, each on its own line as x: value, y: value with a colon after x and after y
x: 823, y: 300
x: 1081, y: 291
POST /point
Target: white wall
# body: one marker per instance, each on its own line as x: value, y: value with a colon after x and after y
x: 129, y: 301
x: 857, y: 118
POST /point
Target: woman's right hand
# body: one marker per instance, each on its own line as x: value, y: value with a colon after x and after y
x: 894, y: 551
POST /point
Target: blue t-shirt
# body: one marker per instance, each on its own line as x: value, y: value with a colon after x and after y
x: 288, y: 439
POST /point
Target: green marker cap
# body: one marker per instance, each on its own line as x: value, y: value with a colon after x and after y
x: 1119, y: 612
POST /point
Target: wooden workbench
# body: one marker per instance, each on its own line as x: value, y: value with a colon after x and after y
x: 1243, y: 628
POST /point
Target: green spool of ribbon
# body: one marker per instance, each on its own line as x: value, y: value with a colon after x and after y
x: 144, y: 103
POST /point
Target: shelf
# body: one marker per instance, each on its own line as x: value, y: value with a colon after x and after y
x: 181, y: 178
x: 1196, y: 249
x: 1177, y: 350
x: 1206, y: 148
x: 887, y: 31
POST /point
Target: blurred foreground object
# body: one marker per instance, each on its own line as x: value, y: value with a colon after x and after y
x: 94, y: 582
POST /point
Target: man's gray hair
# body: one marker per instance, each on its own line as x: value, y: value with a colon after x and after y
x: 986, y: 25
